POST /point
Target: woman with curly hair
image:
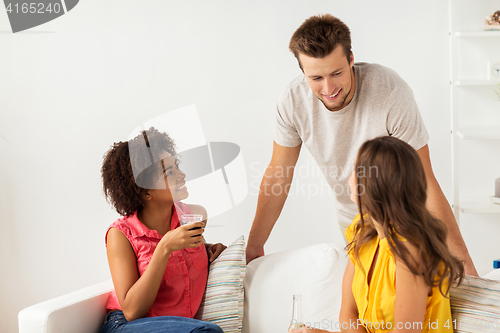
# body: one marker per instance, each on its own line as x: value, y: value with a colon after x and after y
x: 159, y: 268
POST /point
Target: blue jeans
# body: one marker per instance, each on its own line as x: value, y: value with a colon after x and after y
x: 116, y: 322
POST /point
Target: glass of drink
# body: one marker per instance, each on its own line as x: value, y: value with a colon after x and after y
x: 190, y: 218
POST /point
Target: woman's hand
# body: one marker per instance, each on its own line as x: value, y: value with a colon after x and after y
x: 183, y: 237
x: 213, y: 250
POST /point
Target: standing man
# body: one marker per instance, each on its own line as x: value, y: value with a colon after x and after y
x: 333, y: 108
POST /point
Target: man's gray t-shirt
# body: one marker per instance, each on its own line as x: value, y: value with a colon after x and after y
x: 382, y: 105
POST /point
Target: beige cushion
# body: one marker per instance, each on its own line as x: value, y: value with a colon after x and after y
x: 222, y: 303
x: 475, y: 305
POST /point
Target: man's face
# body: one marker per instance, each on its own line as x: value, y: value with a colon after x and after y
x: 330, y: 78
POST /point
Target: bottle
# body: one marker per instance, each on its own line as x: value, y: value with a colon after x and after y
x: 296, y: 313
x: 497, y: 188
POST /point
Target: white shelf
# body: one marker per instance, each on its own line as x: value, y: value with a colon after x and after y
x: 479, y: 33
x: 465, y: 45
x: 480, y: 207
x: 476, y: 82
x: 484, y: 133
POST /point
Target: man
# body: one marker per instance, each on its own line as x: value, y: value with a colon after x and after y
x: 332, y: 109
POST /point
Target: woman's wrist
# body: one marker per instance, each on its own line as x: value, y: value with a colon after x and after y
x: 164, y: 248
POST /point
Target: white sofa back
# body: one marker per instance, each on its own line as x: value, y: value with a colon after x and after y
x: 315, y: 272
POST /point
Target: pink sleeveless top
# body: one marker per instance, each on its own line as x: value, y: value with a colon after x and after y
x: 185, y: 277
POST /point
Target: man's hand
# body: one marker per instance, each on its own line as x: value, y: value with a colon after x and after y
x: 254, y: 253
x: 213, y: 250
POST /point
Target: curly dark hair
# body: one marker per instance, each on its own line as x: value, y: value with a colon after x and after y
x: 124, y: 190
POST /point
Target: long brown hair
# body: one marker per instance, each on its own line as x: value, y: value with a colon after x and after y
x: 392, y: 189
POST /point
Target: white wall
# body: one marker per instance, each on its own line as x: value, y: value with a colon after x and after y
x: 73, y: 86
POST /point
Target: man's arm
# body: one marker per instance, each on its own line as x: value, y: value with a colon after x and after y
x: 272, y: 196
x: 439, y: 206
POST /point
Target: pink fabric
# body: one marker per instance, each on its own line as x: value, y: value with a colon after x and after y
x: 185, y: 277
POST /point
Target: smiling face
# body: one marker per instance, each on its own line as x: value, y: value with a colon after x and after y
x: 331, y: 78
x: 171, y: 177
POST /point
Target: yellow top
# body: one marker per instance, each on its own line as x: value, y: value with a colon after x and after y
x: 375, y: 303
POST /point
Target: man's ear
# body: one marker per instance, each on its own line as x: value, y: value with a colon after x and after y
x: 352, y: 59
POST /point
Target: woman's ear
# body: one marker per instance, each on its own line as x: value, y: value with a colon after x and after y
x: 147, y: 196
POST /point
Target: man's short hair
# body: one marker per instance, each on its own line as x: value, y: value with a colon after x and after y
x: 319, y: 35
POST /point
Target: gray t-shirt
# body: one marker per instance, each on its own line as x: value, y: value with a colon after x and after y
x: 382, y: 105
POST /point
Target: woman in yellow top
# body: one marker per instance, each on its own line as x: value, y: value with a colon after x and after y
x: 400, y: 268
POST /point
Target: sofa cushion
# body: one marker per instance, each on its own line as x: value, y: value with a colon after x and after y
x: 475, y: 305
x: 315, y: 272
x: 222, y: 303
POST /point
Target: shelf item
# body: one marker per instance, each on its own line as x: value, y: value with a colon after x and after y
x: 480, y: 207
x: 479, y: 33
x: 495, y: 200
x: 476, y: 83
x: 480, y: 133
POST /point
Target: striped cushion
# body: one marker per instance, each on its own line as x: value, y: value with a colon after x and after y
x: 222, y: 303
x: 475, y: 306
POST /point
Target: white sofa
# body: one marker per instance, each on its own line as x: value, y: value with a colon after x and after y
x: 270, y: 282
x: 315, y: 272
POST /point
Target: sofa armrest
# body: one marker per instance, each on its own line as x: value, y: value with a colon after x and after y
x: 77, y: 312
